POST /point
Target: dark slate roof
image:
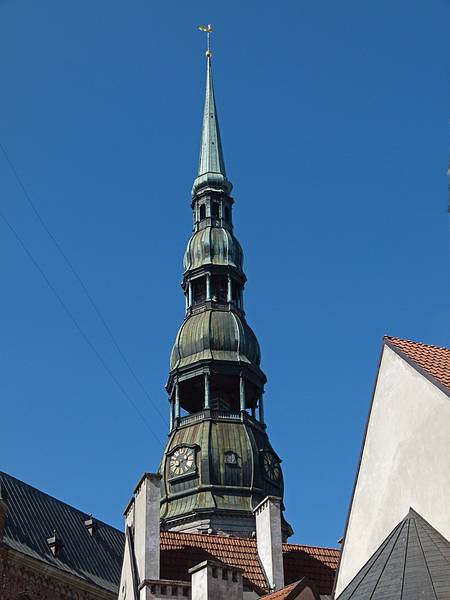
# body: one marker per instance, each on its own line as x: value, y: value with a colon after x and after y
x: 413, y: 562
x: 32, y: 518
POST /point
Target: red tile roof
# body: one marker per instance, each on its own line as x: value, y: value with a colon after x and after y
x: 282, y: 594
x: 316, y: 563
x: 182, y: 551
x: 433, y: 359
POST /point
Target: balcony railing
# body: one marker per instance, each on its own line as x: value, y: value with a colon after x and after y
x: 221, y: 415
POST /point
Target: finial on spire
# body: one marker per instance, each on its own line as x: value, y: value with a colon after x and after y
x: 207, y: 29
x: 211, y: 170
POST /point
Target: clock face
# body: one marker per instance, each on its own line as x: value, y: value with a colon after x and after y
x: 271, y: 466
x: 181, y: 461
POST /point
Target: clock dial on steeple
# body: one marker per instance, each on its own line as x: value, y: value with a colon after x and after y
x: 271, y: 466
x: 182, y: 461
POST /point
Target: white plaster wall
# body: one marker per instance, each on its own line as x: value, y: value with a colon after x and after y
x: 405, y: 463
x: 269, y: 541
x: 207, y: 587
x: 146, y: 527
x: 127, y: 585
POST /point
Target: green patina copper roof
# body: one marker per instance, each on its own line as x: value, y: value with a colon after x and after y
x: 215, y: 335
x: 215, y: 483
x: 211, y: 170
x: 213, y: 246
x: 215, y: 361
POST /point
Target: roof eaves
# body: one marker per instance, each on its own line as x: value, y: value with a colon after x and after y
x: 30, y: 558
x: 415, y: 365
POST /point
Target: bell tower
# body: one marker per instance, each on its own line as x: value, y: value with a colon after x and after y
x: 218, y: 464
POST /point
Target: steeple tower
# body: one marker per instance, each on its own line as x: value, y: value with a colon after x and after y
x: 211, y: 168
x: 218, y: 464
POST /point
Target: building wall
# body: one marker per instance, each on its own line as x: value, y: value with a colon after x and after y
x: 405, y: 463
x: 213, y: 581
x: 25, y: 578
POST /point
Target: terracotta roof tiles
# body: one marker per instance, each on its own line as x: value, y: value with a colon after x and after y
x: 182, y: 551
x: 432, y: 359
x: 316, y: 563
x: 283, y: 593
x: 32, y: 516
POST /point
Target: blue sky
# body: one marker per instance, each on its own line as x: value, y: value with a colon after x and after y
x: 334, y: 124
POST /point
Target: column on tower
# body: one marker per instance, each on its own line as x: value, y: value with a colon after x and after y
x: 242, y: 392
x: 207, y: 390
x: 177, y: 401
x: 171, y: 422
x: 261, y: 408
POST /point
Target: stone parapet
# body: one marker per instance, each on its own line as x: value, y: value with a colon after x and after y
x: 161, y: 589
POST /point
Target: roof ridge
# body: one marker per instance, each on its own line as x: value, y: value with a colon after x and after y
x: 424, y: 556
x: 425, y: 528
x: 422, y: 531
x: 73, y: 508
x: 392, y: 538
x: 309, y: 546
x: 208, y: 535
x: 251, y: 541
x: 393, y: 338
x: 433, y: 362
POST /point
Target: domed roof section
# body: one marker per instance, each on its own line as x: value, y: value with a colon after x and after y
x: 214, y: 440
x: 213, y: 246
x: 214, y: 181
x: 215, y: 335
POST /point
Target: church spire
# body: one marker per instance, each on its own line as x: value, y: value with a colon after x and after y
x: 211, y: 169
x: 218, y: 463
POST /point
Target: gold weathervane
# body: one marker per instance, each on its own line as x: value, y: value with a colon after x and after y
x: 207, y: 29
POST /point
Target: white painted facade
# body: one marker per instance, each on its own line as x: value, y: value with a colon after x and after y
x: 140, y: 568
x: 210, y: 580
x: 146, y: 526
x: 269, y: 540
x: 405, y: 462
x: 213, y: 581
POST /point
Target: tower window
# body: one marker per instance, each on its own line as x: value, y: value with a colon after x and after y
x: 220, y: 404
x: 220, y: 289
x: 231, y: 458
x: 227, y: 214
x: 202, y: 212
x: 199, y: 290
x: 215, y: 210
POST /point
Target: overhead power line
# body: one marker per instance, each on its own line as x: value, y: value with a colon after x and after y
x: 80, y: 281
x: 78, y: 326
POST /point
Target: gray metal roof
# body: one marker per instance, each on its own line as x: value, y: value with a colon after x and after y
x: 215, y: 335
x: 211, y: 169
x: 32, y: 518
x: 412, y: 563
x: 213, y: 246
